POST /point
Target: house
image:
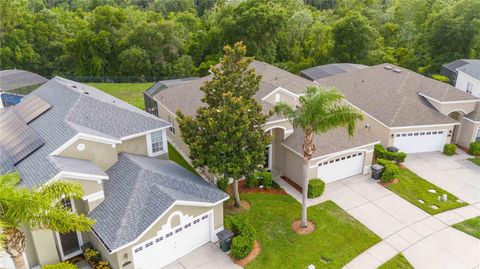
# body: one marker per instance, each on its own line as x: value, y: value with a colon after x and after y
x: 464, y: 74
x: 149, y: 211
x: 16, y: 83
x: 401, y: 109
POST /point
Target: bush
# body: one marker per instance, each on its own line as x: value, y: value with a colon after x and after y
x: 475, y: 148
x: 241, y: 226
x: 315, y: 187
x: 266, y: 179
x: 252, y: 181
x: 62, y: 265
x: 390, y: 170
x: 449, y: 149
x: 102, y: 265
x: 222, y: 184
x: 258, y: 178
x: 440, y: 78
x: 382, y: 153
x: 241, y: 247
x: 92, y: 255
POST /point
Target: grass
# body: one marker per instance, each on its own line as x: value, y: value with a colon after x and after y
x: 469, y: 226
x: 412, y: 188
x: 397, y: 262
x: 128, y: 92
x: 338, y: 238
x: 175, y: 156
x: 475, y: 160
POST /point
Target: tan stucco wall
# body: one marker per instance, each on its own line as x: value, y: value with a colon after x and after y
x: 117, y: 259
x: 445, y: 109
x: 102, y: 155
x: 137, y: 145
x: 30, y: 251
x: 177, y: 137
x: 284, y: 97
x: 468, y: 133
x: 88, y: 186
x: 45, y: 247
x: 373, y: 128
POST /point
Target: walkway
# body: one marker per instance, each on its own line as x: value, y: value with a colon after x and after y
x: 424, y: 240
x: 205, y: 257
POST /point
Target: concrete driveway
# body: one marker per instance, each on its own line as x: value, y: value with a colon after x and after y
x: 205, y: 257
x: 453, y: 173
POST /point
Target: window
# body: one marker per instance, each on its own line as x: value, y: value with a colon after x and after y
x: 277, y: 98
x: 159, y: 239
x: 469, y: 87
x: 172, y: 122
x: 156, y: 143
x: 148, y: 244
x: 478, y: 135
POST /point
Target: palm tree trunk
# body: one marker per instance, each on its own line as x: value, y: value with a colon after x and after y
x: 236, y: 194
x: 15, y: 246
x: 304, y: 194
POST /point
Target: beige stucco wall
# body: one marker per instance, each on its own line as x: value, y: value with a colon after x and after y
x: 176, y: 138
x: 122, y: 256
x: 88, y: 186
x: 468, y: 133
x: 447, y: 108
x: 45, y: 246
x: 137, y: 145
x: 102, y: 155
x: 284, y: 97
x: 373, y: 128
x: 30, y: 251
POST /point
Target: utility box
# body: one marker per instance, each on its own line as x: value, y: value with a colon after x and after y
x: 225, y: 238
x: 377, y: 171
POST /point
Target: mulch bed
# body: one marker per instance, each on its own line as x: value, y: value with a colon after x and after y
x: 292, y: 183
x: 242, y: 187
x: 390, y: 183
x: 244, y: 206
x: 296, y: 227
x: 255, y: 251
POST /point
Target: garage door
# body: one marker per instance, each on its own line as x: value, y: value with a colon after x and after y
x: 341, y: 167
x: 170, y: 245
x: 422, y: 141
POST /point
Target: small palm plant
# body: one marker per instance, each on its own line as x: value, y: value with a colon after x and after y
x: 36, y: 209
x: 320, y: 110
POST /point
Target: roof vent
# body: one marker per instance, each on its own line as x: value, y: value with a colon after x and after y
x: 388, y: 67
x: 396, y: 70
x: 83, y: 91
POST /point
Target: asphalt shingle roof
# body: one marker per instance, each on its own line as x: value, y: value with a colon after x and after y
x: 469, y: 66
x: 394, y: 97
x: 15, y: 79
x: 77, y: 166
x: 141, y: 189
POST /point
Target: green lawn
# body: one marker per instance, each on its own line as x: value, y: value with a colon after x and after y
x: 470, y: 226
x: 397, y: 262
x: 128, y: 92
x: 475, y: 160
x: 412, y: 188
x: 176, y: 157
x: 338, y: 238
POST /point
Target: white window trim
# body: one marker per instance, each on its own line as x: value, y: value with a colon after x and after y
x: 149, y: 144
x: 59, y: 243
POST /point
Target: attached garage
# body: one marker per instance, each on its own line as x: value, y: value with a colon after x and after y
x: 420, y: 141
x: 341, y: 167
x: 171, y: 244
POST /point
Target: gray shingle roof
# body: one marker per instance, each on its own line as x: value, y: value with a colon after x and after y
x: 330, y: 142
x: 139, y: 191
x: 469, y: 66
x: 15, y: 79
x: 77, y: 166
x: 73, y: 111
x: 163, y: 84
x: 393, y: 98
x: 321, y: 71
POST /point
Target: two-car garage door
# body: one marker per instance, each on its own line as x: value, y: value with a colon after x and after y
x: 420, y: 141
x: 341, y: 167
x: 172, y: 244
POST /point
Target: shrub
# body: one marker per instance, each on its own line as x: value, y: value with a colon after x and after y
x: 222, y: 184
x: 241, y: 247
x: 241, y: 226
x: 440, y: 78
x: 390, y: 170
x: 266, y: 179
x: 475, y: 148
x: 92, y: 255
x: 102, y: 265
x: 62, y: 265
x: 449, y: 149
x: 382, y: 153
x: 262, y: 177
x: 252, y: 181
x: 315, y: 187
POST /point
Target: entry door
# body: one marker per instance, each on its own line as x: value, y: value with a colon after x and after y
x: 341, y: 167
x: 421, y: 141
x: 172, y: 244
x: 69, y: 244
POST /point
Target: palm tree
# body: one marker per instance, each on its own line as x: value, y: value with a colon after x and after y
x: 320, y: 110
x: 36, y: 209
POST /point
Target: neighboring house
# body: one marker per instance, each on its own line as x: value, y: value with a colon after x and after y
x: 16, y: 83
x: 149, y: 211
x: 464, y: 74
x: 401, y: 108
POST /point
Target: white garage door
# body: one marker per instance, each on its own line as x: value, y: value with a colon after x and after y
x: 341, y: 167
x: 170, y: 245
x: 422, y: 141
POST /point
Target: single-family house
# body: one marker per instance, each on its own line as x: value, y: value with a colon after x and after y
x: 149, y: 211
x: 464, y: 74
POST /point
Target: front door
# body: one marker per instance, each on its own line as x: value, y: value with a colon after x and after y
x: 268, y: 158
x: 69, y: 244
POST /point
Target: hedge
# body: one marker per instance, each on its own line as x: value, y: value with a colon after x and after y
x: 245, y: 236
x: 382, y: 153
x: 262, y: 177
x: 475, y: 148
x: 241, y: 247
x: 315, y: 187
x: 390, y: 170
x: 449, y: 149
x: 62, y: 265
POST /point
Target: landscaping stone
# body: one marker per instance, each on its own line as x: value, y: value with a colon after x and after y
x: 421, y: 201
x: 432, y: 191
x: 434, y: 207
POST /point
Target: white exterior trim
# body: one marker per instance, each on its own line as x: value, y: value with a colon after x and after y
x: 74, y: 175
x: 275, y: 121
x: 448, y: 102
x: 64, y: 257
x: 143, y: 133
x: 164, y: 142
x: 470, y: 120
x: 94, y: 196
x: 162, y: 215
x: 458, y: 110
x: 87, y: 137
x: 424, y: 126
x: 280, y: 89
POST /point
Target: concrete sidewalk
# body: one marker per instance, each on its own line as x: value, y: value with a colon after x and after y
x: 205, y: 257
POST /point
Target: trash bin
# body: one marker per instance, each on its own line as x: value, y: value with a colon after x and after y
x: 377, y: 171
x: 392, y: 149
x: 225, y: 237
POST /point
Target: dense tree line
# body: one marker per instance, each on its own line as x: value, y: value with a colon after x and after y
x: 175, y: 38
